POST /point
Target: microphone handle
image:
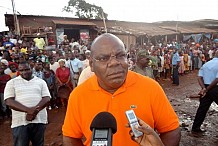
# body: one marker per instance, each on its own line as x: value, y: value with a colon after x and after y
x: 98, y: 139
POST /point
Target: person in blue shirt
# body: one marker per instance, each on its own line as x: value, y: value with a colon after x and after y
x: 175, y: 66
x: 208, y: 80
x: 76, y: 67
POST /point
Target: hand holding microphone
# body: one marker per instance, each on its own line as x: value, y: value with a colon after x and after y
x: 149, y: 137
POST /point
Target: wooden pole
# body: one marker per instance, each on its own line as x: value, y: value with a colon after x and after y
x: 105, y: 27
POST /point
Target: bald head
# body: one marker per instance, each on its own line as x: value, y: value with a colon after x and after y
x: 108, y: 61
x: 105, y: 38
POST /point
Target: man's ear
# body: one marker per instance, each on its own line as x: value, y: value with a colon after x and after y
x: 91, y: 64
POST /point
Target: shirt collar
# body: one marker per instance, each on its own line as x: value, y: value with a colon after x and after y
x: 19, y: 77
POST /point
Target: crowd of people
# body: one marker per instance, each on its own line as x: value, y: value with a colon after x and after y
x: 72, y: 62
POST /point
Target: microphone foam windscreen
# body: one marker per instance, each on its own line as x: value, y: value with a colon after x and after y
x: 104, y: 120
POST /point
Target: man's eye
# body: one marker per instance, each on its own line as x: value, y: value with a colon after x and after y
x: 105, y: 58
x: 121, y: 56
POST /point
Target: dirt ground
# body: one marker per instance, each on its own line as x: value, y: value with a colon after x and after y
x: 178, y: 96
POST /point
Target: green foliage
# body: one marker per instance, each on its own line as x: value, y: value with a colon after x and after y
x: 85, y: 10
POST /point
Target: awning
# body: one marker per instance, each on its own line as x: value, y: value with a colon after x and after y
x: 73, y: 22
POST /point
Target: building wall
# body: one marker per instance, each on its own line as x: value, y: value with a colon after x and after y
x: 40, y: 22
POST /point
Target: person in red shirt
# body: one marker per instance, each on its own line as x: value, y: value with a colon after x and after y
x: 4, y: 78
x: 64, y: 85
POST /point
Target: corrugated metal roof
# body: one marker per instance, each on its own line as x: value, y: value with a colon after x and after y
x: 73, y: 22
x: 134, y: 28
x: 188, y: 29
x: 130, y: 28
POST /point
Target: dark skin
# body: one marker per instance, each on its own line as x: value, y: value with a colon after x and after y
x: 149, y: 137
x: 26, y: 73
x: 13, y: 68
x: 111, y: 75
x: 142, y: 62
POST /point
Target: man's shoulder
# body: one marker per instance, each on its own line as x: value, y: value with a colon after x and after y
x: 214, y: 61
x: 85, y: 88
x: 137, y: 78
x: 35, y: 78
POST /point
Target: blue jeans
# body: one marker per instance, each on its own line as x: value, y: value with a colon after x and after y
x: 22, y: 135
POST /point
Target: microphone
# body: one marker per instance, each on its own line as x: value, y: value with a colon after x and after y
x: 103, y: 127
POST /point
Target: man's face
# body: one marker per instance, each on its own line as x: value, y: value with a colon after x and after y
x: 144, y: 61
x: 51, y: 61
x: 87, y: 55
x: 13, y: 68
x: 25, y: 71
x: 38, y: 66
x: 72, y: 56
x: 47, y: 66
x: 2, y: 68
x: 112, y: 73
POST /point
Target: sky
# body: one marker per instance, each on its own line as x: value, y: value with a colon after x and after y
x: 123, y: 10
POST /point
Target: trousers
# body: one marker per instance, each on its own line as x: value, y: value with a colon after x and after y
x: 34, y: 133
x: 205, y: 103
x: 175, y: 75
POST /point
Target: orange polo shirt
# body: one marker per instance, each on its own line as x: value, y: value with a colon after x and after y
x: 144, y: 94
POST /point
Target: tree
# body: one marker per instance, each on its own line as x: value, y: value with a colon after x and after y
x: 85, y: 10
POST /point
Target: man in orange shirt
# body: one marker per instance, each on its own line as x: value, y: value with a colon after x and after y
x: 115, y: 89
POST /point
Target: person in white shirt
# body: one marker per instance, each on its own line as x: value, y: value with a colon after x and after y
x: 85, y: 74
x: 53, y: 64
x: 5, y: 62
x: 210, y: 52
x: 27, y: 96
x: 86, y: 61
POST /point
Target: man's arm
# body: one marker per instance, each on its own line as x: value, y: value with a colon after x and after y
x: 171, y: 138
x: 43, y: 103
x: 69, y: 141
x: 12, y: 103
x: 15, y: 105
x: 201, y: 82
x: 31, y: 111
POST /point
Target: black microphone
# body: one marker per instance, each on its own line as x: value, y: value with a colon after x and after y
x: 103, y: 127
